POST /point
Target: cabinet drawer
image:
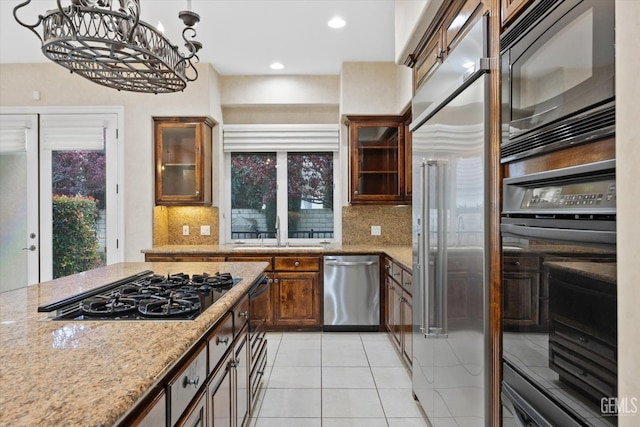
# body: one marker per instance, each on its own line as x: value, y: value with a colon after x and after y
x: 396, y: 272
x: 252, y: 259
x: 292, y: 263
x: 516, y: 263
x: 241, y: 314
x: 220, y: 340
x: 407, y: 281
x: 184, y: 386
x: 257, y: 370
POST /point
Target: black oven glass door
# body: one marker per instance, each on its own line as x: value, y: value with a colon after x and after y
x: 559, y: 331
x: 564, y: 65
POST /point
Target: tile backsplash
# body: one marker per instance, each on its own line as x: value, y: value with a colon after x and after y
x: 394, y: 223
x: 168, y: 222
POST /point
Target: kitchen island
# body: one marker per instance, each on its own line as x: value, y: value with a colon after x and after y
x: 94, y: 373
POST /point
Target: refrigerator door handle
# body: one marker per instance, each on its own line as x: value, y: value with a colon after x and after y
x: 438, y: 289
x: 423, y: 245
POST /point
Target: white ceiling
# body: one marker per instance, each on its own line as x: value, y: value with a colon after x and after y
x: 242, y: 37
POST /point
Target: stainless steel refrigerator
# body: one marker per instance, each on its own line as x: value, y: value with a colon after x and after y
x: 450, y: 264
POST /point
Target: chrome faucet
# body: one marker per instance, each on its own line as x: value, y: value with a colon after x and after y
x: 278, y: 231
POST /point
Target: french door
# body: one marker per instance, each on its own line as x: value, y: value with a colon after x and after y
x: 19, y: 234
x: 49, y: 156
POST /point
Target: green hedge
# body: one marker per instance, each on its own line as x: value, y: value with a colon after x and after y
x: 75, y: 241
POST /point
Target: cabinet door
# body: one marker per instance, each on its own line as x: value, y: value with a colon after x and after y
x: 297, y: 299
x: 377, y: 159
x: 196, y: 416
x: 183, y: 161
x: 389, y: 304
x: 429, y: 59
x: 511, y: 9
x: 241, y: 364
x: 407, y: 327
x: 520, y: 299
x: 219, y: 392
x: 461, y: 18
x: 396, y: 322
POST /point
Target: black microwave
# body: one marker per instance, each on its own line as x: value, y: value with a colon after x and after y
x: 557, y: 83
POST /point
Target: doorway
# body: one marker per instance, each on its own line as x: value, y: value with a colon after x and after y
x: 52, y: 166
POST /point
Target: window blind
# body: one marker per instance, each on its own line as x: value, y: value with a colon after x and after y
x: 280, y: 137
x: 13, y: 134
x: 59, y: 133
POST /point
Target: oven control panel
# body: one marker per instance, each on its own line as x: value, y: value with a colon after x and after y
x: 585, y: 195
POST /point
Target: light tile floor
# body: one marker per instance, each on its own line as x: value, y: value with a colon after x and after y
x: 334, y: 379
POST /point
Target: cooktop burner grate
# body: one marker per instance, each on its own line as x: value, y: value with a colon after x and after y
x: 146, y: 296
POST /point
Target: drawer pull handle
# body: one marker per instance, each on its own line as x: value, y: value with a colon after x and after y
x: 407, y: 283
x: 517, y: 263
x: 234, y: 363
x: 190, y: 381
x: 582, y: 339
x: 243, y: 314
x: 224, y: 340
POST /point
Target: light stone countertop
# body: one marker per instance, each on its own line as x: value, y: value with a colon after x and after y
x: 402, y: 254
x: 91, y: 373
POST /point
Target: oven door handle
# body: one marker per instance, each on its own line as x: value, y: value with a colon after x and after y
x: 260, y: 288
x: 562, y: 234
x: 526, y: 414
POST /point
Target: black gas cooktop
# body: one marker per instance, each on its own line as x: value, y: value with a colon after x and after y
x: 146, y: 296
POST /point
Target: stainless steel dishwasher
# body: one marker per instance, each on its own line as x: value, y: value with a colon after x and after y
x: 351, y: 293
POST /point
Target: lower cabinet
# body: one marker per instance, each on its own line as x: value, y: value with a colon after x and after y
x: 399, y: 308
x: 219, y: 392
x: 196, y: 416
x: 296, y: 301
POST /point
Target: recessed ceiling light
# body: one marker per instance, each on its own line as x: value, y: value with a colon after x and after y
x: 276, y: 66
x: 337, y: 22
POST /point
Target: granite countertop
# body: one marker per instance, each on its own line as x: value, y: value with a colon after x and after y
x: 603, y: 271
x: 402, y: 254
x: 91, y: 373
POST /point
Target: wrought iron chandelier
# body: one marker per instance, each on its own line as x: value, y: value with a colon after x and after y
x: 115, y: 48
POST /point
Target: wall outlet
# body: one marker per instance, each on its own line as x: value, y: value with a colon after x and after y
x: 376, y: 230
x: 185, y: 230
x: 205, y: 230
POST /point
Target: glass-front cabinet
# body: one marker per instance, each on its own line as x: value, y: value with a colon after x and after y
x: 377, y: 150
x: 183, y: 149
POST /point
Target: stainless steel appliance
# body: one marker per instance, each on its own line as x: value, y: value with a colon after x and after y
x: 559, y: 297
x: 557, y: 76
x: 351, y: 293
x: 450, y: 300
x: 145, y: 296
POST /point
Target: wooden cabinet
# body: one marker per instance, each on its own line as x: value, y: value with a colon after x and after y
x: 521, y: 298
x: 155, y: 414
x: 377, y: 158
x: 399, y: 308
x: 196, y: 416
x: 219, y: 393
x: 183, y: 163
x: 295, y: 295
x: 451, y: 23
x: 511, y: 9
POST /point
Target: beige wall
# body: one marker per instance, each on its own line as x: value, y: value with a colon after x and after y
x: 627, y: 178
x: 59, y: 88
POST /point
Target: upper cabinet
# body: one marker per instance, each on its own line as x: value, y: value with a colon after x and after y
x: 378, y: 155
x: 452, y: 22
x: 183, y: 149
x: 511, y: 9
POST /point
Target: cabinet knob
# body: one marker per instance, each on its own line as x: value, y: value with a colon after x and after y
x: 224, y: 340
x: 517, y: 263
x: 296, y: 264
x: 243, y: 314
x: 275, y: 280
x: 270, y: 280
x: 356, y: 192
x: 190, y: 381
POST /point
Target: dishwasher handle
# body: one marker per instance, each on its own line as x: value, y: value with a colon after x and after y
x: 349, y: 263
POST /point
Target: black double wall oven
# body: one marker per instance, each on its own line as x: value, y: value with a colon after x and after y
x: 558, y: 220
